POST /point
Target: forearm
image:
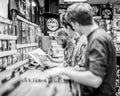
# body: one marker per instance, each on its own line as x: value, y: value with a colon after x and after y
x: 60, y: 60
x: 77, y: 68
x: 83, y: 77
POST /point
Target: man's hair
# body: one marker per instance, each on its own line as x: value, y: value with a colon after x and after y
x: 65, y: 23
x: 81, y: 13
x: 62, y: 32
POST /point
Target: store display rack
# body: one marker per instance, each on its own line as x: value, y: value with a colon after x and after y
x: 7, y: 53
x: 17, y: 65
x: 15, y: 43
x: 8, y: 37
x: 24, y: 20
x: 26, y: 45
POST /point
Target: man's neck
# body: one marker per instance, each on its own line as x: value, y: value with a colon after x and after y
x: 89, y: 29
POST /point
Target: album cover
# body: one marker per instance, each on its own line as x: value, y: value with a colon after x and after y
x: 1, y: 63
x: 1, y: 28
x: 4, y: 45
x: 10, y: 60
x: 0, y: 45
x: 38, y: 55
x: 4, y: 62
x: 19, y: 32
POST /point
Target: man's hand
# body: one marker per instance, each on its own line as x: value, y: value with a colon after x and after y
x: 48, y: 56
x: 53, y: 64
x: 53, y: 72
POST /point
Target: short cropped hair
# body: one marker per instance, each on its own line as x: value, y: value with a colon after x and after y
x: 81, y: 13
x: 62, y: 32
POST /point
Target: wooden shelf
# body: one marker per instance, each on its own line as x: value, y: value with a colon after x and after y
x: 26, y: 45
x: 17, y: 65
x: 4, y: 20
x: 7, y: 53
x: 8, y: 37
x: 26, y: 21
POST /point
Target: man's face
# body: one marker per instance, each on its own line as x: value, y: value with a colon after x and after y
x: 77, y: 27
x: 71, y: 32
x: 62, y: 40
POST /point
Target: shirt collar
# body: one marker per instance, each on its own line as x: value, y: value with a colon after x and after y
x: 92, y: 32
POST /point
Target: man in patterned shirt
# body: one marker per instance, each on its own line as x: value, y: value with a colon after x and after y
x: 100, y: 75
x: 78, y: 56
x: 63, y: 39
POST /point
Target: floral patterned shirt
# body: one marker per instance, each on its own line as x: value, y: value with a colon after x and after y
x: 68, y: 52
x: 80, y: 51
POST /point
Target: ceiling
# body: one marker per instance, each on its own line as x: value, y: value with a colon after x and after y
x: 96, y: 1
x: 64, y: 5
x: 102, y: 1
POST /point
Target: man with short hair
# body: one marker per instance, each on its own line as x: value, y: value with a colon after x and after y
x: 100, y: 75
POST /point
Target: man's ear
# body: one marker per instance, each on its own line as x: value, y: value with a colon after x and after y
x: 77, y: 24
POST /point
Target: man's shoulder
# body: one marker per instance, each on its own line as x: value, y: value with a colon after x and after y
x: 100, y: 34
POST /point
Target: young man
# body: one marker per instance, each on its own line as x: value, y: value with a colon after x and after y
x: 63, y: 39
x: 100, y: 75
x: 78, y: 56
